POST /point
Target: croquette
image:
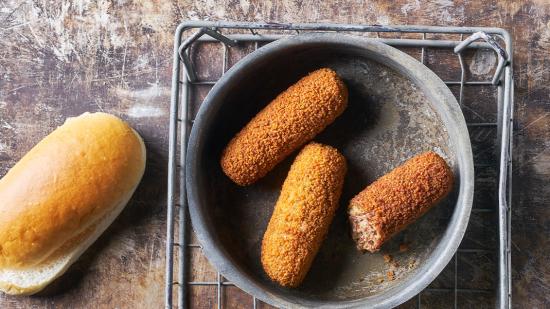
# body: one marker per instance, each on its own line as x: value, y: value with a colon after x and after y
x: 397, y: 199
x: 291, y: 120
x: 303, y: 213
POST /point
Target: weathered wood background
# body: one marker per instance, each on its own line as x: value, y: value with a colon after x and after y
x: 62, y: 58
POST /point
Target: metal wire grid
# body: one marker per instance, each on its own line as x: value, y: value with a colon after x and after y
x: 185, y: 78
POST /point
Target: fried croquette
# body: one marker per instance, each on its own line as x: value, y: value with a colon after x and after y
x: 303, y: 213
x: 292, y: 119
x: 397, y: 199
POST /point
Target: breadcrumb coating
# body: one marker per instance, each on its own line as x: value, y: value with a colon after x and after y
x: 292, y: 119
x: 397, y: 199
x: 303, y: 213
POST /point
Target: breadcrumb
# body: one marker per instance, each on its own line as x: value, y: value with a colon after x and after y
x: 303, y: 213
x: 292, y: 119
x: 397, y: 199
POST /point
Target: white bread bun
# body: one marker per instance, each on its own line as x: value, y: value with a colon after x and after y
x: 59, y: 198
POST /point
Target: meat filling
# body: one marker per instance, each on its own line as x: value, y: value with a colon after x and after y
x: 364, y: 234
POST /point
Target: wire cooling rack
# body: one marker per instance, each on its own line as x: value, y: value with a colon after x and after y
x: 486, y: 103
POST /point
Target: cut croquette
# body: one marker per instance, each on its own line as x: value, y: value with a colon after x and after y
x: 397, y: 199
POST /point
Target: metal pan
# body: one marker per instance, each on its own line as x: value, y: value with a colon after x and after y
x: 397, y: 108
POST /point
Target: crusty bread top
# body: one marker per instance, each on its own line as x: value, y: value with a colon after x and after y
x: 63, y: 185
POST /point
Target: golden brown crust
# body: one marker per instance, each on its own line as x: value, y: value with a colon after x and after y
x: 400, y: 197
x: 292, y: 119
x: 303, y: 213
x: 62, y: 186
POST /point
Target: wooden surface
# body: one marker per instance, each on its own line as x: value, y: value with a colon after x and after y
x: 63, y: 58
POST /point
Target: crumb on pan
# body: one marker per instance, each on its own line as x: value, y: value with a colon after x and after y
x: 388, y: 258
x: 292, y: 119
x: 391, y: 275
x: 403, y: 247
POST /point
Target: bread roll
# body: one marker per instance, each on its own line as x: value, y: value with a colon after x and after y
x: 62, y: 195
x: 292, y: 119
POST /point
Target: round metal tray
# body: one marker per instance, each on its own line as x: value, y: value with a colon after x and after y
x: 397, y: 108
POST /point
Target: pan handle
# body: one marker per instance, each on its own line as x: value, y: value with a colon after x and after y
x: 503, y: 59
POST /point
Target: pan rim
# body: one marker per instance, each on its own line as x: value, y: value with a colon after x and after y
x: 448, y: 109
